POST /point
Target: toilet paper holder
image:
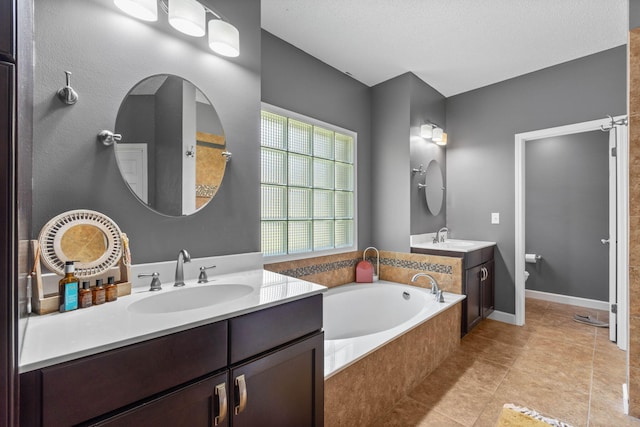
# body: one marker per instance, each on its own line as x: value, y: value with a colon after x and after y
x: 532, y: 258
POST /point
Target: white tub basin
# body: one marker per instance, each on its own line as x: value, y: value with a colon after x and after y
x: 190, y: 298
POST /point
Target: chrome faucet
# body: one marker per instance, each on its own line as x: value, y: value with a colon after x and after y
x: 183, y: 256
x: 435, y: 289
x: 440, y: 236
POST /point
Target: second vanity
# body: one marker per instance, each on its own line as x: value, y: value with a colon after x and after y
x: 478, y: 281
x: 253, y: 360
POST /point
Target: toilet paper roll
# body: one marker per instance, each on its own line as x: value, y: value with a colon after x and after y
x: 531, y: 258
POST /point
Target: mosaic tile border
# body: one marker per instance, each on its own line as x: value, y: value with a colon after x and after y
x: 417, y: 265
x: 309, y: 270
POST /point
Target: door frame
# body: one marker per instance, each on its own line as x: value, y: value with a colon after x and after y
x: 622, y: 270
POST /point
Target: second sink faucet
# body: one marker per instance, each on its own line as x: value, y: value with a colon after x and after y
x: 440, y: 236
x: 183, y: 256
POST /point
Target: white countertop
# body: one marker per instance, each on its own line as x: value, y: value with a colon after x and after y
x: 453, y: 245
x: 60, y: 337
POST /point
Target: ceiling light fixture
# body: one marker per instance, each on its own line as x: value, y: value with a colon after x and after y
x: 188, y: 17
x: 146, y: 10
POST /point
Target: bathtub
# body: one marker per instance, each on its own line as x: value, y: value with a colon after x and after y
x: 362, y: 317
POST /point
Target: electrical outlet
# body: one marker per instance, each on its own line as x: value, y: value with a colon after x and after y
x: 495, y: 218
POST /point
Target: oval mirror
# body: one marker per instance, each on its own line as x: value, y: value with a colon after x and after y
x: 434, y: 191
x: 172, y: 154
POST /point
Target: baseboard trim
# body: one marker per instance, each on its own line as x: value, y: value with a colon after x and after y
x: 565, y: 299
x: 501, y: 316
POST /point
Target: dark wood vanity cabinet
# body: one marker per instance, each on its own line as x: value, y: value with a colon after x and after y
x: 7, y: 30
x: 190, y: 379
x: 478, y: 283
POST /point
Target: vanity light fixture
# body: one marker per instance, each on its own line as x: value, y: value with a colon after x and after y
x: 426, y: 131
x: 189, y: 17
x: 444, y: 139
x: 224, y: 38
x: 437, y: 135
x: 147, y: 10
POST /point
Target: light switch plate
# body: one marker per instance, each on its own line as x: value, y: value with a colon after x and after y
x: 495, y: 218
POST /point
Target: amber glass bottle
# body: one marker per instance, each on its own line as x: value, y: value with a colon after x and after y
x: 84, y: 295
x: 111, y: 289
x: 68, y: 288
x: 98, y: 293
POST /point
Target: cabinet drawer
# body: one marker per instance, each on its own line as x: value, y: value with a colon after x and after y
x: 263, y: 330
x: 478, y: 257
x: 80, y: 390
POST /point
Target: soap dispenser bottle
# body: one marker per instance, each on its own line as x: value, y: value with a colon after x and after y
x: 68, y: 288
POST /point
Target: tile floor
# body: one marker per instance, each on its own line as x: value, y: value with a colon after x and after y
x: 554, y: 365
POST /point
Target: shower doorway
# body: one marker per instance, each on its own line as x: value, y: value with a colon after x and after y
x: 615, y: 241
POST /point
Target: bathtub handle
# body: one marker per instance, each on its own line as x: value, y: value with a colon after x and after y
x: 242, y: 391
x: 221, y: 392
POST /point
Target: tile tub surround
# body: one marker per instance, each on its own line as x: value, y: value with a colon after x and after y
x: 336, y: 270
x: 365, y: 391
x: 634, y: 222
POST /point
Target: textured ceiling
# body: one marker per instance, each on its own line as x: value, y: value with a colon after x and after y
x: 453, y: 45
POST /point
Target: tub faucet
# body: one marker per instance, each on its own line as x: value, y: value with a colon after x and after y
x: 434, y: 284
x: 440, y: 236
x: 183, y: 256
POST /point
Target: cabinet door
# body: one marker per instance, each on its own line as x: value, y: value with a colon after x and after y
x: 193, y: 405
x: 473, y: 291
x: 282, y: 388
x: 7, y: 30
x: 488, y: 289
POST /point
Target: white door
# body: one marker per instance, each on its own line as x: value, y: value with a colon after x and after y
x: 132, y: 159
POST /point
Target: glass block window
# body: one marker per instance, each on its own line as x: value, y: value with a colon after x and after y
x: 308, y: 185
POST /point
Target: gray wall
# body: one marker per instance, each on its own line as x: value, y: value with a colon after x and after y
x: 427, y: 105
x: 567, y: 213
x: 108, y: 53
x: 634, y: 14
x: 480, y: 153
x: 391, y: 115
x: 296, y: 81
x: 399, y: 107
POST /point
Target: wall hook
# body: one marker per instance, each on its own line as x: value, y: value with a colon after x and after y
x: 108, y: 138
x: 67, y: 94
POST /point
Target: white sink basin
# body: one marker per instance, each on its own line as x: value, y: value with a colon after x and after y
x: 190, y: 298
x: 454, y: 245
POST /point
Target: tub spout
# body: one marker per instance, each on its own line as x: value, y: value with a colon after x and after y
x: 434, y: 285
